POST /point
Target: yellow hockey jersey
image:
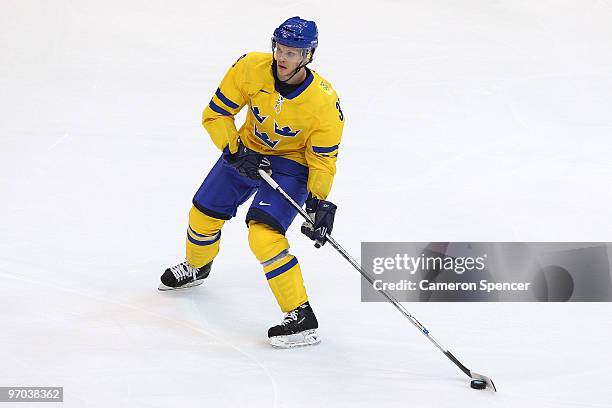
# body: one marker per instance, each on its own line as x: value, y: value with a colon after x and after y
x: 306, y: 126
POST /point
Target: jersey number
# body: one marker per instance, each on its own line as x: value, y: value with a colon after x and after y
x: 340, y: 114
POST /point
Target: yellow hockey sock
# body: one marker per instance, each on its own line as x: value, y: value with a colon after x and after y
x: 281, y: 268
x: 203, y: 238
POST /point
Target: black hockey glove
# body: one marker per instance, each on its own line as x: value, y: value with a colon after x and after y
x: 248, y: 162
x: 322, y: 213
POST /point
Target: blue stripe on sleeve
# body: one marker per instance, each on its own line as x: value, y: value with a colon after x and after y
x: 281, y: 269
x: 218, y: 109
x: 318, y: 149
x: 225, y: 99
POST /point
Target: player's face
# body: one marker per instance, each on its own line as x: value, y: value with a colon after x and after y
x: 287, y: 60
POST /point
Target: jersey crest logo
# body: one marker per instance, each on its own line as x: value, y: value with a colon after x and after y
x: 265, y: 138
x: 259, y: 118
x: 285, y: 131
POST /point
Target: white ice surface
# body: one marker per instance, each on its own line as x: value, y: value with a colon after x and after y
x: 466, y: 121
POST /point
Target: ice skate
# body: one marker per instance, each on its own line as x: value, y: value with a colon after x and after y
x: 183, y: 276
x: 298, y: 328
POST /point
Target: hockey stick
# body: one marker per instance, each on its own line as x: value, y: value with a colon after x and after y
x: 478, y: 380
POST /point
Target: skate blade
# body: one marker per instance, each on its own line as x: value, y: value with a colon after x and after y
x: 305, y: 338
x: 164, y: 288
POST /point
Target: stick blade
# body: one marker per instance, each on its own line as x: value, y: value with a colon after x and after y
x: 487, y: 380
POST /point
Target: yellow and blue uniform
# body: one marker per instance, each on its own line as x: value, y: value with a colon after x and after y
x: 300, y: 133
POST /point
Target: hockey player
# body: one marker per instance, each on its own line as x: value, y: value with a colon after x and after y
x: 292, y: 131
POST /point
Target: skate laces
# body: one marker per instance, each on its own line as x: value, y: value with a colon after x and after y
x: 290, y: 317
x: 183, y: 270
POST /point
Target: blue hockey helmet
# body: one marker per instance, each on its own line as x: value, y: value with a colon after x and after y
x: 297, y: 33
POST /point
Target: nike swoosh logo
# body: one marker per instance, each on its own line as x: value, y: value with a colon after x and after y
x: 264, y: 91
x: 301, y: 320
x: 262, y: 203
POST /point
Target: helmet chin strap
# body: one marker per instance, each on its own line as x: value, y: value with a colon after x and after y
x: 294, y: 73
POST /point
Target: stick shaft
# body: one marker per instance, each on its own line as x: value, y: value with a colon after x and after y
x: 268, y: 179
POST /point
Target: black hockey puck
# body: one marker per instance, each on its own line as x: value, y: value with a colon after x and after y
x: 478, y: 384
